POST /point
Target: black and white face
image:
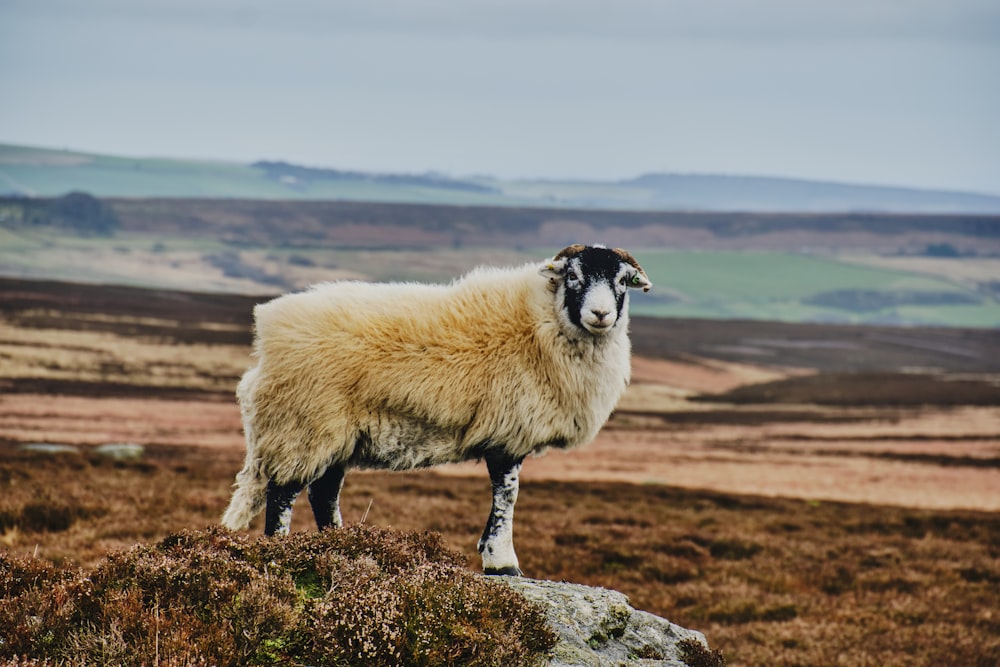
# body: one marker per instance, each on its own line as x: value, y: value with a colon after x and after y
x: 592, y: 286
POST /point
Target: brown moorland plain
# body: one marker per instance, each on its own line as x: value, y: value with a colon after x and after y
x: 773, y: 581
x: 796, y: 515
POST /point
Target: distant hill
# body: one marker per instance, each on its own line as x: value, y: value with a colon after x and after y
x: 748, y: 193
x: 29, y: 171
x: 298, y: 177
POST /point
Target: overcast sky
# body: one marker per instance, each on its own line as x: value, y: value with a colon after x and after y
x: 900, y: 92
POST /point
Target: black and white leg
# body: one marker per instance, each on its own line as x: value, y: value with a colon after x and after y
x: 324, y: 496
x: 278, y: 515
x: 496, y: 546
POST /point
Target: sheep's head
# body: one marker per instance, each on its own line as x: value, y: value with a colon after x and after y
x: 592, y: 284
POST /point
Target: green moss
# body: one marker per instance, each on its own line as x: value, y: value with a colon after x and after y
x: 310, y: 585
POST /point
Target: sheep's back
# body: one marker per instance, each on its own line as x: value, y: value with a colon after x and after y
x: 430, y: 352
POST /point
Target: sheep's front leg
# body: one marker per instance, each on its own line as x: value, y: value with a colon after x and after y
x: 497, y: 543
x: 324, y: 496
x: 278, y: 515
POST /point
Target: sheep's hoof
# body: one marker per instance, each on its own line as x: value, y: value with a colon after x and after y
x: 504, y: 571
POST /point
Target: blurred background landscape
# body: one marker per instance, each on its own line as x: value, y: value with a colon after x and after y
x: 878, y: 259
x: 806, y: 465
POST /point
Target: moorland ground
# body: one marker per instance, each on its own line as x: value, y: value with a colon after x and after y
x: 747, y: 486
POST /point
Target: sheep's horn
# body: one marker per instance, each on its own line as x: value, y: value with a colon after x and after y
x: 627, y: 257
x: 571, y: 251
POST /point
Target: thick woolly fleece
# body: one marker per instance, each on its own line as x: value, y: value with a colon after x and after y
x: 401, y: 376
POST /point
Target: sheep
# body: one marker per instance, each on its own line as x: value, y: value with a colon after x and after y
x: 500, y: 364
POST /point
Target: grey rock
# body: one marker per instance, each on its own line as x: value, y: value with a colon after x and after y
x: 598, y: 628
x: 121, y: 451
x: 49, y: 448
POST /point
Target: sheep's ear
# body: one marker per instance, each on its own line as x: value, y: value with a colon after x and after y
x: 640, y: 279
x: 553, y: 269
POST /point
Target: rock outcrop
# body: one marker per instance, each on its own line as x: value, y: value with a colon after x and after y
x: 597, y: 628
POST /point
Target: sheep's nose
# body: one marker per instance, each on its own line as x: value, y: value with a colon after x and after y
x: 600, y: 314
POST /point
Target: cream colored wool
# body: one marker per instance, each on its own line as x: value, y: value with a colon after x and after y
x: 401, y: 376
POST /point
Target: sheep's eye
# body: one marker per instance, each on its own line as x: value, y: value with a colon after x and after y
x: 573, y: 276
x: 636, y: 279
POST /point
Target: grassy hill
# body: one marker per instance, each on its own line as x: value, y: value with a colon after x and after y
x: 933, y: 270
x: 803, y: 288
x: 715, y: 285
x: 32, y: 171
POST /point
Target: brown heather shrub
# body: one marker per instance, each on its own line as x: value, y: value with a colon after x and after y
x: 352, y: 596
x: 695, y: 654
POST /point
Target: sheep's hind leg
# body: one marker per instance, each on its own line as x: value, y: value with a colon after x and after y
x: 324, y: 496
x: 497, y: 543
x: 278, y: 515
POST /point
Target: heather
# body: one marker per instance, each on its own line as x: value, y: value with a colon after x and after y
x: 361, y: 595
